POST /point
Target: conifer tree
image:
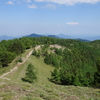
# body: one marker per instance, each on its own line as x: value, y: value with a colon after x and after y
x: 55, y: 77
x: 30, y: 74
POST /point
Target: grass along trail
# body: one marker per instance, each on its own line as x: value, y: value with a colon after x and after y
x: 16, y: 67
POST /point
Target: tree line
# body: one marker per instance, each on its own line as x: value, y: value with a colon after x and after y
x: 78, y: 64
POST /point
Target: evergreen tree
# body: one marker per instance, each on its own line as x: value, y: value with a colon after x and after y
x: 97, y: 74
x: 16, y: 46
x: 30, y: 74
x: 55, y: 77
x: 6, y: 57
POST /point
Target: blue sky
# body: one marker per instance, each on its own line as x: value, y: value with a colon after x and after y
x: 71, y: 17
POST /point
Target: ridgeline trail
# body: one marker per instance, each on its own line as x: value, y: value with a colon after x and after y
x: 16, y: 67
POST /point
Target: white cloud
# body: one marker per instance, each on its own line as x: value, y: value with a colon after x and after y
x: 33, y: 6
x: 27, y: 0
x: 72, y: 23
x: 50, y: 6
x: 10, y: 2
x: 69, y: 2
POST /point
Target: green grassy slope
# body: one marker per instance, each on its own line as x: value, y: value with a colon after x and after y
x: 16, y: 89
x: 43, y: 71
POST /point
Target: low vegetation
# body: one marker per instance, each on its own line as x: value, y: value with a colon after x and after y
x: 65, y: 69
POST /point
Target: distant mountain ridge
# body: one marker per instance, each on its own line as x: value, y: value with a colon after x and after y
x: 37, y: 35
x: 93, y: 38
x: 34, y: 35
x: 83, y: 40
x: 4, y: 37
x: 63, y: 36
x: 53, y: 36
x: 60, y: 36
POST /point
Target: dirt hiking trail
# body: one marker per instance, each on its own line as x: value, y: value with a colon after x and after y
x: 16, y: 67
x: 24, y: 60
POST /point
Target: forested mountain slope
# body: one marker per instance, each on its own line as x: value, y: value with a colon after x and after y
x: 60, y: 61
x: 76, y: 64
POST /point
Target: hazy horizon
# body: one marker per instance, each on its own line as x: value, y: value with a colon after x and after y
x: 58, y: 35
x: 80, y: 18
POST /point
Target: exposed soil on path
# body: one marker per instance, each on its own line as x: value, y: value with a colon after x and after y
x: 16, y: 67
x: 24, y: 60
